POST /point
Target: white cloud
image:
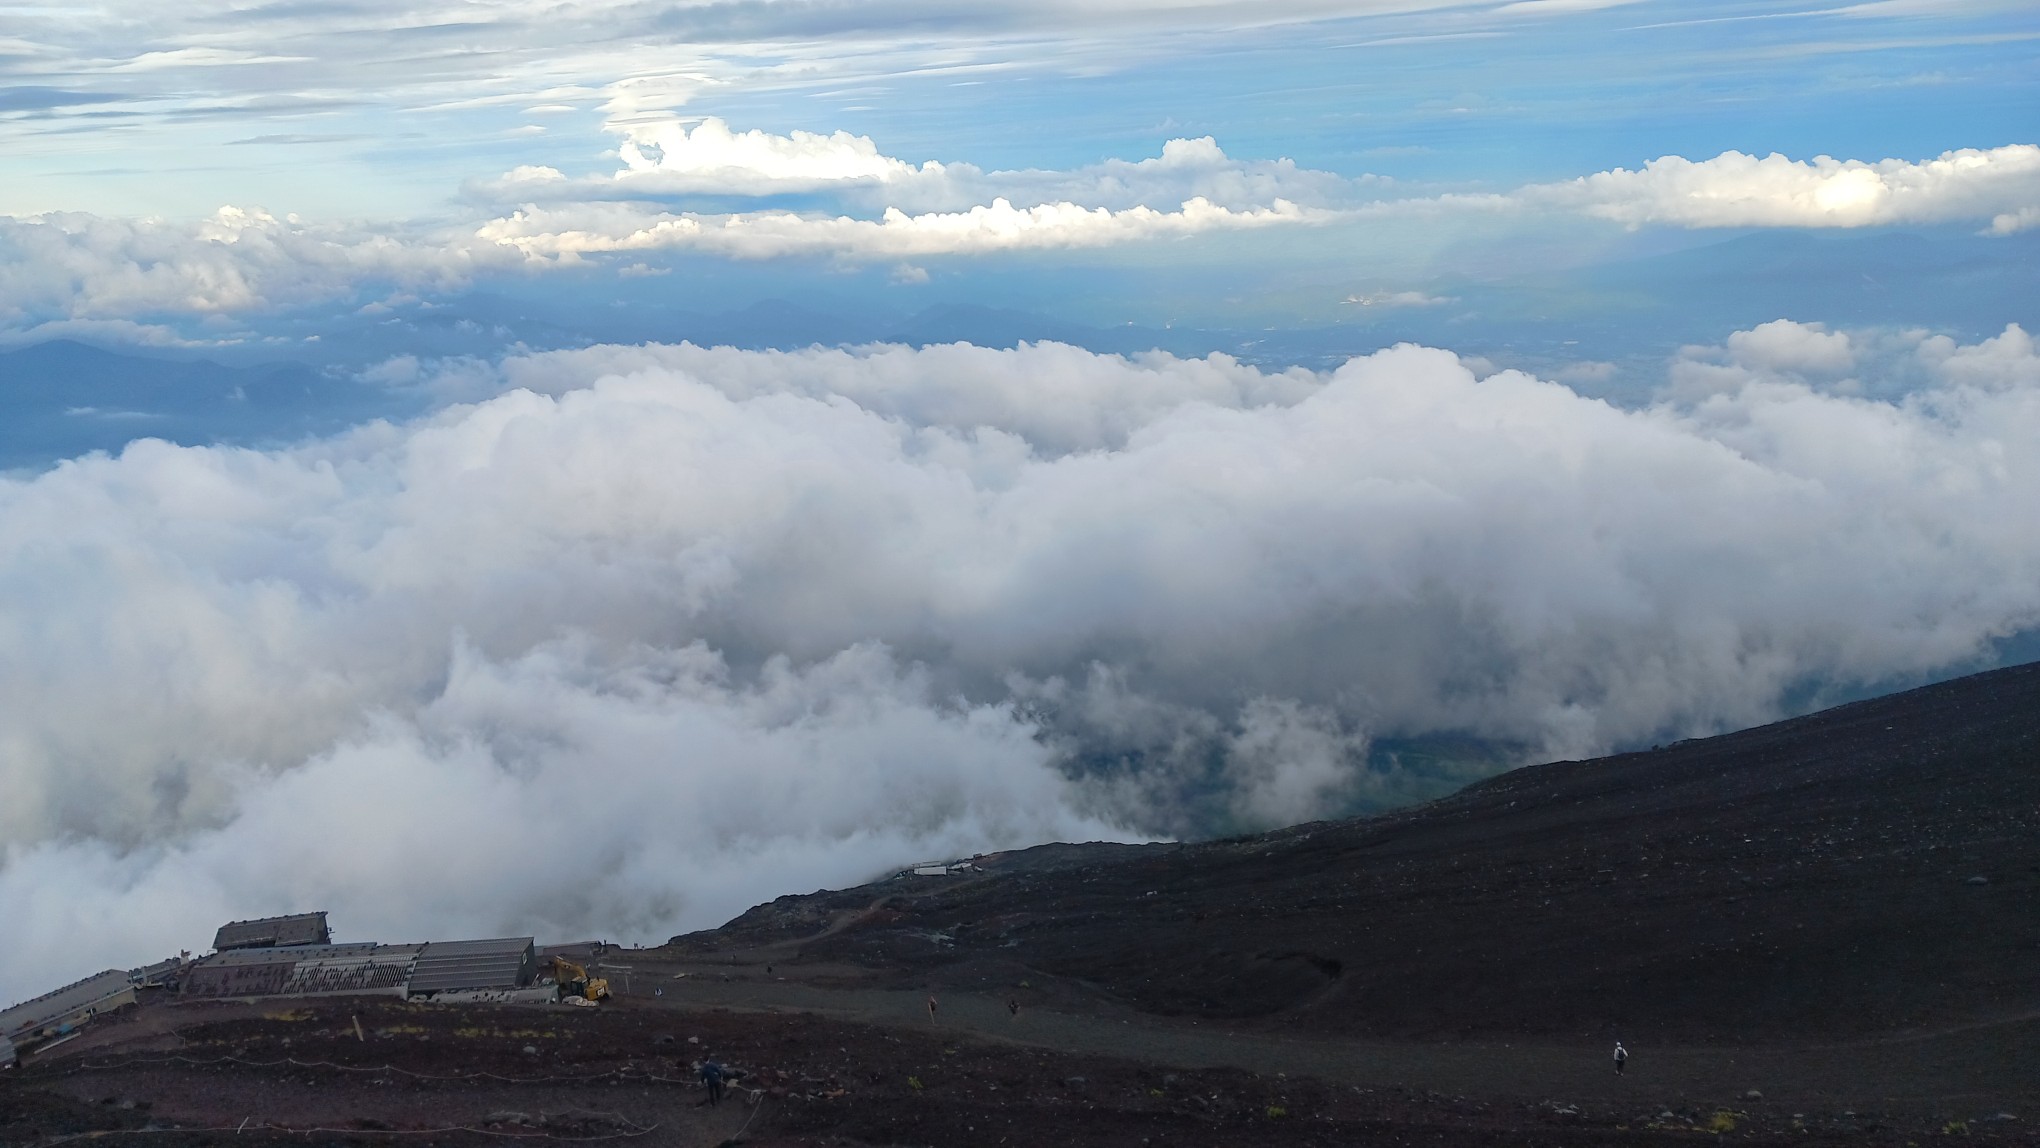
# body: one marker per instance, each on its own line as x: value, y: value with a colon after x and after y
x: 585, y: 229
x: 1398, y: 299
x: 75, y: 265
x: 200, y: 58
x: 663, y: 157
x: 69, y: 266
x: 1785, y: 345
x: 969, y: 211
x: 1058, y: 400
x: 1737, y: 190
x: 709, y: 156
x: 2012, y: 222
x: 702, y: 626
x: 2009, y: 361
x: 2001, y: 185
x: 658, y: 793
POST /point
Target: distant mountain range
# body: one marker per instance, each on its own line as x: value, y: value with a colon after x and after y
x: 63, y: 398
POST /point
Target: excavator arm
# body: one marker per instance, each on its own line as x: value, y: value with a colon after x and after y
x: 574, y: 980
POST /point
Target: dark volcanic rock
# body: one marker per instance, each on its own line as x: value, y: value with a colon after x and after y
x: 1809, y: 879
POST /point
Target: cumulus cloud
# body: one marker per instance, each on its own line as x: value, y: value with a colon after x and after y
x: 1057, y: 400
x: 80, y: 266
x: 921, y: 209
x: 2013, y: 222
x: 572, y: 790
x: 77, y: 266
x: 667, y: 158
x: 1785, y: 345
x: 1737, y: 190
x: 709, y: 156
x: 586, y: 229
x: 634, y: 637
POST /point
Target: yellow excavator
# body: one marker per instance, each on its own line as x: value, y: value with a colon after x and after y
x: 574, y: 981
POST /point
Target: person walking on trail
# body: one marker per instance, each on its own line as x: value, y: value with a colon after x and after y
x: 712, y: 1076
x: 1621, y: 1057
x: 1013, y: 1006
x: 931, y: 1008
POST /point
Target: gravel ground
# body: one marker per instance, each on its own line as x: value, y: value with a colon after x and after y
x: 867, y: 1071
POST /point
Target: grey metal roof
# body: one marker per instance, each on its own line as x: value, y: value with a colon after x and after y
x: 242, y: 980
x: 294, y: 953
x: 301, y: 970
x: 498, y: 963
x: 348, y: 975
x: 30, y: 1015
x: 264, y: 932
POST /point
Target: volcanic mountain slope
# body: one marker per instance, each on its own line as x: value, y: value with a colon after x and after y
x: 1870, y: 869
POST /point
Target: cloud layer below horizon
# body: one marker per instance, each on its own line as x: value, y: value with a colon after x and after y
x: 73, y: 266
x: 626, y: 639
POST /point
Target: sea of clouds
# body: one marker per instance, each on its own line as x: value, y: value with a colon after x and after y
x: 623, y: 640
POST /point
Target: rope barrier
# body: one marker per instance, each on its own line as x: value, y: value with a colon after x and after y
x: 757, y: 1106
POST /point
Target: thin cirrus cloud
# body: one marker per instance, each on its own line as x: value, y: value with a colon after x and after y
x: 700, y: 626
x: 169, y: 60
x: 171, y: 74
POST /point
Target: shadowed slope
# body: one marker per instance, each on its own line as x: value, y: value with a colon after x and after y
x: 1811, y: 879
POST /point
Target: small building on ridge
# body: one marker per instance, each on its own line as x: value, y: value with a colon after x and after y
x: 274, y: 932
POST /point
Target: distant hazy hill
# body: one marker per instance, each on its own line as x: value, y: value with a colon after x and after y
x: 59, y: 399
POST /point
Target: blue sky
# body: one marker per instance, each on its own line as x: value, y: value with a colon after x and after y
x: 733, y: 448
x: 1425, y: 144
x: 1422, y: 145
x: 384, y: 110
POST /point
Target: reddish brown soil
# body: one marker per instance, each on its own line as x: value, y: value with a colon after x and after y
x: 463, y: 1075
